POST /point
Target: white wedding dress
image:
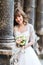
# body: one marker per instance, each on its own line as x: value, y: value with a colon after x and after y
x: 29, y: 57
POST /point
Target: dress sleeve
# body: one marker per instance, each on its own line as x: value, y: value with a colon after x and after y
x: 32, y: 34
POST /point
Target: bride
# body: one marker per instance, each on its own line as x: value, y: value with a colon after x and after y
x: 24, y: 38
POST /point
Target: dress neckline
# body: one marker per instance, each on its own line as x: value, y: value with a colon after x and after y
x: 24, y: 31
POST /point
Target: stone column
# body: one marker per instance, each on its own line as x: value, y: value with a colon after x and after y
x: 6, y: 21
x: 19, y: 3
x: 39, y: 20
x: 29, y: 8
x: 39, y: 17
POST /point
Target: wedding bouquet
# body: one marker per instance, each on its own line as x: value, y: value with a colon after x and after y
x: 22, y: 40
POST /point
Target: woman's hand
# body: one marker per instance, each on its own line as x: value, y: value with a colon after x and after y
x: 18, y: 41
x: 24, y: 47
x: 29, y: 44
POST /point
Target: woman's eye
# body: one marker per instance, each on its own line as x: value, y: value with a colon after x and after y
x: 19, y: 16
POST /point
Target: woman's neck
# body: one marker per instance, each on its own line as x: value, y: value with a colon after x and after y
x: 21, y: 25
x: 22, y: 28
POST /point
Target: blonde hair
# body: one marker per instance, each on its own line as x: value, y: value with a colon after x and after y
x: 19, y: 12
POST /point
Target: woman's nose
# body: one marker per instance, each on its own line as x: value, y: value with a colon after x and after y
x: 18, y: 19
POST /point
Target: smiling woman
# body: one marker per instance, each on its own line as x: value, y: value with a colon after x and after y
x: 25, y: 31
x: 20, y: 13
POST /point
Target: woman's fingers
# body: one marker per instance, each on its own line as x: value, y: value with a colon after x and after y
x: 24, y: 47
x: 18, y: 40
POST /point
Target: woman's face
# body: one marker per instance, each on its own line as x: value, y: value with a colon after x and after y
x: 19, y: 19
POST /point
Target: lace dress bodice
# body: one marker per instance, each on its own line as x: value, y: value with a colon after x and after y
x: 29, y: 33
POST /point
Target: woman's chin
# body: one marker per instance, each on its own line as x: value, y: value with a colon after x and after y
x: 20, y: 23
